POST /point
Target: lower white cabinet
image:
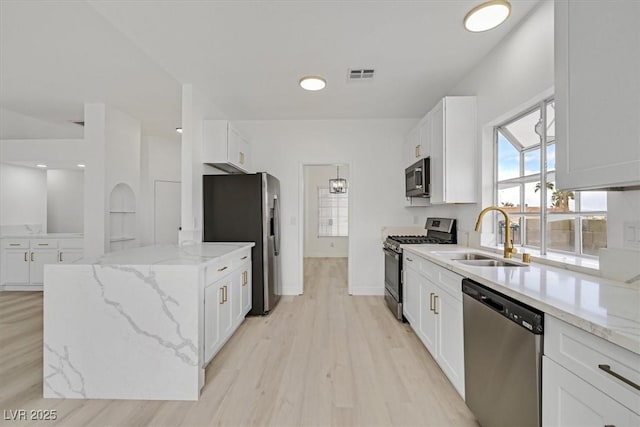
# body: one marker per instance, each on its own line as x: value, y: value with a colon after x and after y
x: 432, y: 303
x: 586, y: 380
x: 22, y: 261
x: 227, y: 300
x: 568, y: 400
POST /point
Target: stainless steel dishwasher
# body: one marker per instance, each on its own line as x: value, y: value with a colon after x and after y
x: 502, y: 359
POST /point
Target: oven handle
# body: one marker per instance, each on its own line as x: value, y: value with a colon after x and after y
x: 391, y: 253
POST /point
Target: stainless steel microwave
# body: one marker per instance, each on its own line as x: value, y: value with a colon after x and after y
x: 417, y: 179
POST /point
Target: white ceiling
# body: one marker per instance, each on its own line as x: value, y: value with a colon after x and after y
x: 246, y: 56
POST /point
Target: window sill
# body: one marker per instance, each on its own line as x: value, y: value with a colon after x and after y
x: 568, y: 262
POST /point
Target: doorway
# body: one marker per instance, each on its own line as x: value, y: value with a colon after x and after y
x: 325, y: 227
x: 166, y: 212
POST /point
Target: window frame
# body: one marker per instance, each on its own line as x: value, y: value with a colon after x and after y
x: 541, y: 177
x: 339, y: 232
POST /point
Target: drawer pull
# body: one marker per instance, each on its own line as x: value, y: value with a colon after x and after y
x: 409, y: 259
x: 25, y: 257
x: 43, y: 244
x: 31, y: 256
x: 245, y: 257
x: 14, y: 244
x: 608, y: 370
x: 223, y: 268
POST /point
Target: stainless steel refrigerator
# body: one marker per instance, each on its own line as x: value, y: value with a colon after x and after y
x: 246, y: 208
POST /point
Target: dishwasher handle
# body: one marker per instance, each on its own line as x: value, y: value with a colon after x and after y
x: 491, y: 303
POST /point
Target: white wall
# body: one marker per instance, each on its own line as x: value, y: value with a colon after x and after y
x: 159, y: 160
x: 317, y: 176
x: 65, y: 201
x: 195, y: 109
x: 23, y: 195
x: 373, y: 150
x: 14, y: 125
x: 517, y: 73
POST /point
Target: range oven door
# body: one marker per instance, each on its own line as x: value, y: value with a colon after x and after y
x: 393, y: 282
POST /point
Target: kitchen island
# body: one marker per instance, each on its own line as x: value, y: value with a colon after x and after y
x: 142, y: 323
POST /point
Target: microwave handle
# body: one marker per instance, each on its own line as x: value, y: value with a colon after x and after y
x: 417, y: 176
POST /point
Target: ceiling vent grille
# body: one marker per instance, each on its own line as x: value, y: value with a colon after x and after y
x: 361, y: 74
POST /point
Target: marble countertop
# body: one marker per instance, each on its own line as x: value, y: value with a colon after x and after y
x: 606, y: 308
x: 193, y: 254
x: 44, y: 236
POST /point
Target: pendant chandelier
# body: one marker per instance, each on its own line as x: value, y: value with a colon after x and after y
x: 338, y: 185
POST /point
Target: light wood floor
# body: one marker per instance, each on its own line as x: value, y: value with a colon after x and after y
x: 324, y: 358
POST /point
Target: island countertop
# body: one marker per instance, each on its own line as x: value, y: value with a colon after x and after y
x: 191, y: 254
x: 131, y: 324
x: 603, y: 307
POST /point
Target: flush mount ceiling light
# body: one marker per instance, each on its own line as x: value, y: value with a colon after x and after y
x: 312, y: 83
x: 338, y: 185
x: 487, y: 15
x: 80, y: 165
x: 179, y: 130
x: 39, y: 165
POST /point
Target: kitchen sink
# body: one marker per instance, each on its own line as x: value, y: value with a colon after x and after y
x: 490, y: 262
x: 459, y: 256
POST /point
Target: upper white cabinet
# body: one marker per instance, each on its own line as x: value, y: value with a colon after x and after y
x: 597, y: 94
x: 412, y: 146
x: 225, y: 148
x: 453, y: 150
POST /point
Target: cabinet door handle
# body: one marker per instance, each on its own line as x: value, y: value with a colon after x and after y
x: 61, y: 257
x: 224, y: 292
x: 409, y: 259
x: 608, y: 370
x: 245, y: 257
x: 221, y: 296
x: 241, y: 158
x: 435, y: 304
x: 26, y: 254
x: 431, y: 301
x: 223, y: 268
x: 31, y: 256
x: 14, y: 244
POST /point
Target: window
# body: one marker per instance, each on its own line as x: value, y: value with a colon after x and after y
x: 542, y: 216
x: 333, y: 213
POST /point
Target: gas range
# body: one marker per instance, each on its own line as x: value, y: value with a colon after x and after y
x: 439, y: 231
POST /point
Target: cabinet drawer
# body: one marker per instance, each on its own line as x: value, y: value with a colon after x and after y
x: 242, y: 257
x: 450, y: 282
x: 429, y: 270
x: 595, y: 360
x: 44, y: 243
x: 217, y: 270
x: 15, y: 243
x: 71, y: 243
x: 411, y: 261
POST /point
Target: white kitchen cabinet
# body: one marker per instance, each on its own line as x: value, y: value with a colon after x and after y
x: 411, y: 293
x: 428, y: 316
x: 15, y: 266
x: 450, y: 338
x: 453, y: 150
x: 412, y: 146
x: 38, y: 259
x: 23, y: 260
x: 225, y: 148
x: 597, y: 94
x: 243, y: 304
x: 568, y: 400
x: 436, y: 306
x: 227, y: 300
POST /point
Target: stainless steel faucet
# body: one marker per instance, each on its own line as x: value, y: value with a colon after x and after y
x: 509, y: 250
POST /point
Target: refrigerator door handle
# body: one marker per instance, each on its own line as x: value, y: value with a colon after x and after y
x: 276, y: 226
